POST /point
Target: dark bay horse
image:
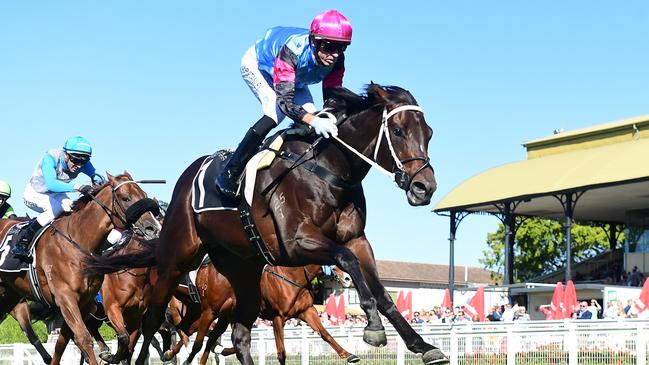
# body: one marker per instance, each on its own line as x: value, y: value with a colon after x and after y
x: 309, y: 208
x: 285, y: 293
x: 63, y: 247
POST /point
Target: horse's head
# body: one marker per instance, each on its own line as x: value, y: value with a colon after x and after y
x: 128, y: 205
x: 400, y: 144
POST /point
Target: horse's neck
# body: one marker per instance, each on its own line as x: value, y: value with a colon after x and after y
x: 89, y: 226
x: 360, y: 132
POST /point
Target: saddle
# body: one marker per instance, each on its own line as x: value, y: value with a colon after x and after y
x: 8, y: 263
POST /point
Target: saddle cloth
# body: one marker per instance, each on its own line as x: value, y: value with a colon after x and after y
x: 9, y: 263
x: 205, y: 195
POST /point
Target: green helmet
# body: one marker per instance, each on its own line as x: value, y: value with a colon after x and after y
x: 5, y: 189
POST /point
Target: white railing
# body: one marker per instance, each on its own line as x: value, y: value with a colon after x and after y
x: 534, y: 343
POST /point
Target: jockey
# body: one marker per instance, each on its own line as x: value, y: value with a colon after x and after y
x: 278, y: 70
x: 6, y: 211
x: 47, y: 188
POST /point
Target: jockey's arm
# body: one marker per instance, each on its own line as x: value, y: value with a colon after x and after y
x: 284, y: 71
x: 53, y: 185
x: 89, y: 170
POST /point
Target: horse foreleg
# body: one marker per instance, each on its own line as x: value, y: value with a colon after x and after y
x: 374, y: 332
x: 114, y: 313
x: 61, y: 343
x: 214, y: 336
x: 248, y: 296
x: 278, y: 330
x: 74, y: 319
x: 310, y: 316
x: 22, y: 315
x: 413, y: 341
x: 203, y: 326
x: 155, y: 313
x: 93, y: 325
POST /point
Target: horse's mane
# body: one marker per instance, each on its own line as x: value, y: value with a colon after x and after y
x: 345, y: 101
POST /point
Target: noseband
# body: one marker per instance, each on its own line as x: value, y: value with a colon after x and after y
x: 398, y: 174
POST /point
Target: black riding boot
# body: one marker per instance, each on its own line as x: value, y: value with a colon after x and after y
x: 227, y: 180
x: 22, y: 240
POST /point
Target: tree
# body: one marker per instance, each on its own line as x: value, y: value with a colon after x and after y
x: 539, y: 247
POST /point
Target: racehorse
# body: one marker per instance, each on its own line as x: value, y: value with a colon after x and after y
x: 61, y: 250
x: 309, y: 208
x: 285, y: 293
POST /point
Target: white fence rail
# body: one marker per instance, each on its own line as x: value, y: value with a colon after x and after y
x: 526, y: 343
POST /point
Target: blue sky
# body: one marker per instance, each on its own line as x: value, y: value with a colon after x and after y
x: 155, y: 84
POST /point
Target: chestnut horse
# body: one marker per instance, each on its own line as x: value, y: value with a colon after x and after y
x: 309, y: 208
x: 285, y: 294
x: 63, y: 247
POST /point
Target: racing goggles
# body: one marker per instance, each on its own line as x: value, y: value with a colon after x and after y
x: 331, y: 47
x: 78, y: 159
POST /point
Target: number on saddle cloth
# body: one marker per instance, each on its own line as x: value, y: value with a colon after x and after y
x: 9, y: 263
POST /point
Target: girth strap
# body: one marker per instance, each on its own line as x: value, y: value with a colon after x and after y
x: 252, y: 232
x: 316, y: 169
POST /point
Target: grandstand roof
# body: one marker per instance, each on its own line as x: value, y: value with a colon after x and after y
x: 607, y: 162
x: 431, y: 274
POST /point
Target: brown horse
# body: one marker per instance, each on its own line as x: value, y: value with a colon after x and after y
x: 309, y: 208
x: 66, y: 243
x: 285, y: 294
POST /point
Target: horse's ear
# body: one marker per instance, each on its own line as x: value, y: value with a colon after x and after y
x: 377, y: 90
x: 125, y: 173
x: 110, y: 177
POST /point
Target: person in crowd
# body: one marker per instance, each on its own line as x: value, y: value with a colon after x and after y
x: 494, y: 314
x: 595, y: 309
x: 610, y: 312
x: 448, y: 316
x: 627, y: 309
x: 635, y: 279
x: 6, y: 211
x: 508, y: 314
x: 462, y: 316
x: 521, y: 314
x: 583, y: 312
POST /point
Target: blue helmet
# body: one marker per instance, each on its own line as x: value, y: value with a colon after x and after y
x: 78, y: 146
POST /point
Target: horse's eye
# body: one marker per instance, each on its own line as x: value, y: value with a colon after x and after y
x: 397, y: 131
x: 126, y: 199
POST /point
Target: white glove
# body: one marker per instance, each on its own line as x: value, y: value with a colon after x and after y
x: 324, y: 127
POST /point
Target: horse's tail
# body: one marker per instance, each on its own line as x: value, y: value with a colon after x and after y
x: 101, y: 265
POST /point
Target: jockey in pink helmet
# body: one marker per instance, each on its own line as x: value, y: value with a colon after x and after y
x: 278, y: 70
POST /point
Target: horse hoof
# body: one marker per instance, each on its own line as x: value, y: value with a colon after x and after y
x: 166, y: 357
x: 434, y: 356
x: 375, y: 338
x: 352, y: 359
x: 106, y: 356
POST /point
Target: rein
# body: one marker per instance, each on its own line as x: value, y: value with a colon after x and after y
x: 399, y: 177
x: 130, y: 215
x: 295, y: 284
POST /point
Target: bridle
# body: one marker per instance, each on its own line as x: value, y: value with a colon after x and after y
x: 398, y: 174
x: 125, y: 216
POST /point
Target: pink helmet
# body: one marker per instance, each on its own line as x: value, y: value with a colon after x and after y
x: 333, y: 26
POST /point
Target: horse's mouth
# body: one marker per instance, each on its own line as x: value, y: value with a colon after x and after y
x: 419, y: 194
